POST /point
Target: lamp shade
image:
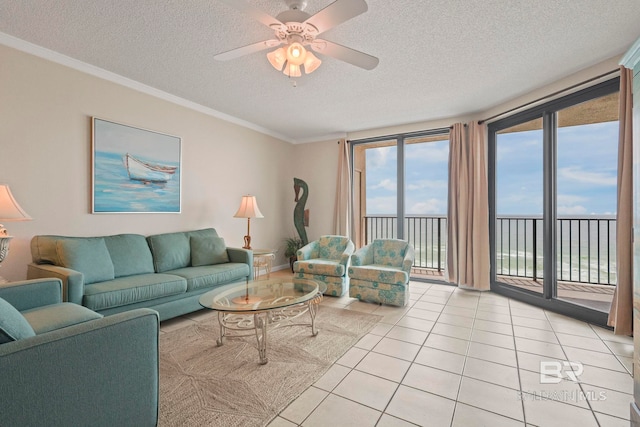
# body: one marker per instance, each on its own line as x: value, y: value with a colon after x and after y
x: 10, y: 210
x: 248, y: 208
x: 311, y: 63
x: 277, y: 58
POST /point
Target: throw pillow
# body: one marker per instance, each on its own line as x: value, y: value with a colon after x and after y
x: 208, y: 251
x: 89, y: 256
x: 13, y: 325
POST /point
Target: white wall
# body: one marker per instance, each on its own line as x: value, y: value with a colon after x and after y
x: 45, y: 156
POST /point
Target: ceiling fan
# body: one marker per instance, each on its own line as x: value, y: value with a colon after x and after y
x: 296, y: 31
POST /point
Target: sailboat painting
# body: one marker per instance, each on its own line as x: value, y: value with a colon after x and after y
x: 135, y: 170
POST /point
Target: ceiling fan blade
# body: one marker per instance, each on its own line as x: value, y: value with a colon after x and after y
x: 346, y: 54
x: 245, y: 50
x: 336, y: 13
x: 253, y: 12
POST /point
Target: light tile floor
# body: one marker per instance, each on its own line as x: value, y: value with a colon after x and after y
x: 463, y: 358
x: 460, y: 358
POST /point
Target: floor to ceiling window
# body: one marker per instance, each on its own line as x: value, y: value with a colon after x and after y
x: 400, y: 191
x: 553, y: 187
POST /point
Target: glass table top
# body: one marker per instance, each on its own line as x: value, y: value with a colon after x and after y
x: 261, y: 295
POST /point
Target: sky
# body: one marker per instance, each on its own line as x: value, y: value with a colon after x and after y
x: 586, y: 174
x: 118, y: 138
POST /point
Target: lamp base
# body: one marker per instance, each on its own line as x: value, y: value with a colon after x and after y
x: 247, y: 242
x: 247, y: 299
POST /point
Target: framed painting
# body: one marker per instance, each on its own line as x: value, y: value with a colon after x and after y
x: 134, y: 170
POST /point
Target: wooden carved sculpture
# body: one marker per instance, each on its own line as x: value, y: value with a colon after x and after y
x: 300, y: 215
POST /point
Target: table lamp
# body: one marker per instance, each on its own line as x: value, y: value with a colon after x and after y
x: 10, y: 210
x: 248, y: 209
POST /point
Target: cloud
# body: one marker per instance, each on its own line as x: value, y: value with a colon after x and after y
x: 381, y: 205
x: 575, y: 173
x: 428, y: 152
x: 570, y: 199
x: 572, y: 210
x: 428, y: 185
x: 378, y: 157
x: 571, y: 204
x: 386, y: 184
x: 431, y: 206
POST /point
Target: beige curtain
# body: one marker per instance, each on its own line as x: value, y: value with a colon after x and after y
x: 468, y: 210
x: 621, y: 314
x: 342, y: 211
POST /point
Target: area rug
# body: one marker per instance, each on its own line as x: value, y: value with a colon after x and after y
x: 205, y: 385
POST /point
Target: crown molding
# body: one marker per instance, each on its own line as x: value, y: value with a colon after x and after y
x: 632, y: 57
x: 75, y: 64
x: 322, y: 138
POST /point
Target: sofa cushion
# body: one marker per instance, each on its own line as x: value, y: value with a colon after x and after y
x: 212, y: 275
x: 170, y: 251
x: 89, y: 256
x: 130, y: 254
x: 208, y: 251
x: 132, y: 289
x: 56, y: 316
x: 379, y: 273
x: 389, y: 252
x: 13, y: 325
x: 320, y: 266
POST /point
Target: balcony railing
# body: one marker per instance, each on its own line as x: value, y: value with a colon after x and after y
x: 585, y: 245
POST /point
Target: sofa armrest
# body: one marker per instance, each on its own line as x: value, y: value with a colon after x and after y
x: 243, y: 256
x: 308, y: 251
x: 28, y: 294
x: 100, y: 373
x: 363, y: 256
x: 409, y: 258
x: 72, y: 280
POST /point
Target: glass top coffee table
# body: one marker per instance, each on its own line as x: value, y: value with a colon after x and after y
x: 257, y: 305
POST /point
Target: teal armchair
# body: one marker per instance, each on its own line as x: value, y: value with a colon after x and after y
x: 326, y: 260
x: 68, y: 365
x: 379, y: 272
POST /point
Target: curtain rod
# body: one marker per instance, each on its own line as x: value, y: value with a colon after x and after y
x: 547, y: 97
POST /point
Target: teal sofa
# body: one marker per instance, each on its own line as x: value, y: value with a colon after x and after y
x: 65, y: 365
x: 166, y: 272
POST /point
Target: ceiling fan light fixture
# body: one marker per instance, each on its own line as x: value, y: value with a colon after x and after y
x: 311, y: 63
x: 296, y: 53
x: 277, y: 58
x: 292, y: 70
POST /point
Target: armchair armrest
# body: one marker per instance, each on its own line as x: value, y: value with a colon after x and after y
x: 346, y: 255
x: 72, y: 280
x: 409, y: 258
x: 244, y: 256
x: 363, y: 256
x: 102, y: 373
x: 27, y: 294
x: 309, y: 251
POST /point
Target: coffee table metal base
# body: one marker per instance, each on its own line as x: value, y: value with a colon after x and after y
x: 260, y: 321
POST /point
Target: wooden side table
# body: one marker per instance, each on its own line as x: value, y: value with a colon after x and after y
x: 263, y: 258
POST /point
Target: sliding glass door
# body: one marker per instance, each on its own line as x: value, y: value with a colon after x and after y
x: 553, y: 187
x: 400, y: 191
x: 519, y: 171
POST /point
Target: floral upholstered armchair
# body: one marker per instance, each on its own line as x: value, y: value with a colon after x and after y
x: 379, y: 272
x: 326, y: 260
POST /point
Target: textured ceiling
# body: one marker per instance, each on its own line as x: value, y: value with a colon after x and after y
x: 438, y: 58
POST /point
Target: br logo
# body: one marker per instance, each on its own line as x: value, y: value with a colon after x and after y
x: 552, y: 372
